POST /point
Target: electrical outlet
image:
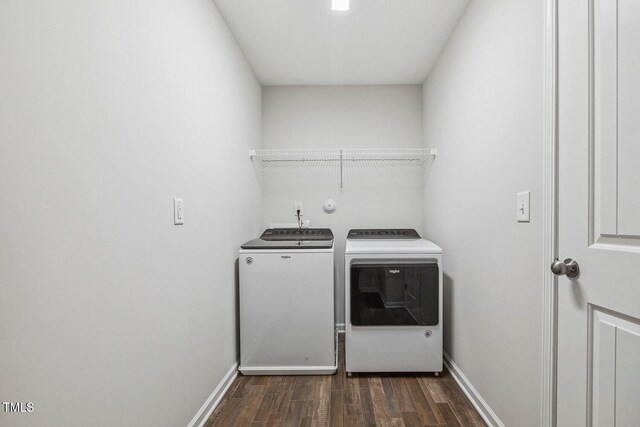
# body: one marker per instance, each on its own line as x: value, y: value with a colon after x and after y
x: 296, y: 206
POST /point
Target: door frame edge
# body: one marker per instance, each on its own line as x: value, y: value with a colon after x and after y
x: 549, y: 215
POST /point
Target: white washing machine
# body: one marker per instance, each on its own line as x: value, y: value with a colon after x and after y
x: 393, y: 302
x: 287, y: 313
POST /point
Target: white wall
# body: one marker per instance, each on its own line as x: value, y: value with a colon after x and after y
x: 483, y: 111
x: 110, y: 314
x: 343, y: 117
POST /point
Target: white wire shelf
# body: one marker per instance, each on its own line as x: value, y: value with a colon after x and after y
x: 338, y: 165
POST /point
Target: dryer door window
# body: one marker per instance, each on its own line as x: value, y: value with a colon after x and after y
x: 394, y: 294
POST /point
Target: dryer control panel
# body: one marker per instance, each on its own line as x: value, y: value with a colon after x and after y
x: 383, y: 233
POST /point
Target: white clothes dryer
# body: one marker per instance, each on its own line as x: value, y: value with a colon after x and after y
x: 393, y: 302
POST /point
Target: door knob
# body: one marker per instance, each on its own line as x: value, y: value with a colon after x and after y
x: 568, y: 266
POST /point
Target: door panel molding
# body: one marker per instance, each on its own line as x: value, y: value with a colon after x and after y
x: 613, y: 378
x: 609, y: 207
x: 604, y: 111
x: 628, y: 112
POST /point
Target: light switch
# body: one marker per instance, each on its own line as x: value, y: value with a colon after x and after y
x: 178, y: 211
x: 523, y: 206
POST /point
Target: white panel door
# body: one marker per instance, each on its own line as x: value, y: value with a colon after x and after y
x: 599, y: 212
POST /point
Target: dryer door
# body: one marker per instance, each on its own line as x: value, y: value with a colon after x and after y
x: 394, y: 294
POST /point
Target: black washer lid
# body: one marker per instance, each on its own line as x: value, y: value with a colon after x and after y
x: 281, y: 234
x: 292, y: 238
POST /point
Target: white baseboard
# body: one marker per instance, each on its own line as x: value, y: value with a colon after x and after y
x: 340, y: 327
x: 214, y: 399
x: 472, y: 394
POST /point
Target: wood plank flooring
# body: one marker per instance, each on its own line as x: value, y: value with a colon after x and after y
x: 361, y: 400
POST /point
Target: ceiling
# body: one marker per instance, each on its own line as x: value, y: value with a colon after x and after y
x: 304, y: 42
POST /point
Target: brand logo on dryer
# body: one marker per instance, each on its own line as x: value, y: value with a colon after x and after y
x: 394, y: 271
x: 285, y: 256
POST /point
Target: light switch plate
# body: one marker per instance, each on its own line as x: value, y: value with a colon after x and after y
x: 178, y: 211
x: 523, y: 214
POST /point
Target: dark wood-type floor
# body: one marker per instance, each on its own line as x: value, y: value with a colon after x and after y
x: 338, y: 400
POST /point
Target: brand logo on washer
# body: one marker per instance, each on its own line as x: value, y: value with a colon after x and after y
x: 285, y: 256
x: 249, y: 260
x: 394, y: 271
